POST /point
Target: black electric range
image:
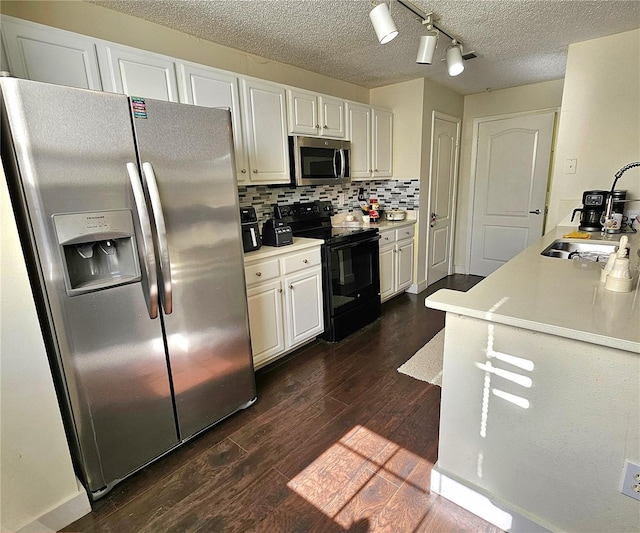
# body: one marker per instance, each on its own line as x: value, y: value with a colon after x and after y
x: 350, y: 266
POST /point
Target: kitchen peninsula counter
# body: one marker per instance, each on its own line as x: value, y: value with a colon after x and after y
x: 540, y: 401
x: 552, y: 295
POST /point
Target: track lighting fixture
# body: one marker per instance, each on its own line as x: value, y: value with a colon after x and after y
x: 386, y: 31
x: 383, y: 23
x: 454, y: 58
x: 428, y: 43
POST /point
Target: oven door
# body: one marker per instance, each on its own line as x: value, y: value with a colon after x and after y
x: 320, y: 161
x: 353, y: 272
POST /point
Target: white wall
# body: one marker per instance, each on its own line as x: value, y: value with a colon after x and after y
x: 39, y: 488
x: 547, y: 95
x: 599, y: 121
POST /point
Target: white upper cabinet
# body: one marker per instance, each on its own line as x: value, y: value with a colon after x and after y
x: 382, y: 121
x: 360, y: 136
x: 134, y: 72
x: 317, y: 115
x: 41, y: 53
x: 370, y: 131
x: 209, y: 87
x: 266, y: 131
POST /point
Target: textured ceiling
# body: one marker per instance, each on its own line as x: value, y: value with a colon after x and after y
x: 517, y: 41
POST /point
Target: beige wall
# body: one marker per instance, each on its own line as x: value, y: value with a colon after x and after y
x: 36, y: 474
x: 599, y: 123
x: 102, y: 23
x: 547, y: 95
x: 413, y: 103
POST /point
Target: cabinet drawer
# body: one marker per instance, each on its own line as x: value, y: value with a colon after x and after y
x: 387, y: 237
x: 299, y: 261
x: 263, y: 271
x: 405, y: 233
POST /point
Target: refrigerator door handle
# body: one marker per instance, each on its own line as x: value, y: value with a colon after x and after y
x: 149, y: 260
x: 149, y: 177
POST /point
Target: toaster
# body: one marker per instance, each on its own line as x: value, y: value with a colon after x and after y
x: 276, y: 233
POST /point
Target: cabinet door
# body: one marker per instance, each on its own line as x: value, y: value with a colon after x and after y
x: 359, y: 133
x: 332, y: 117
x: 40, y: 53
x: 404, y: 272
x: 211, y: 88
x: 266, y: 321
x: 387, y: 272
x: 266, y: 132
x: 303, y: 304
x: 137, y: 73
x: 382, y: 143
x: 303, y: 113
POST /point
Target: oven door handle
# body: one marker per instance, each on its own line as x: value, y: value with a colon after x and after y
x: 354, y: 244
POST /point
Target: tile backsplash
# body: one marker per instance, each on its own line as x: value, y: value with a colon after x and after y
x: 403, y: 194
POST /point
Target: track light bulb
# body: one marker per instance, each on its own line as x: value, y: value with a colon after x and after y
x: 454, y: 59
x: 382, y: 22
x: 427, y: 48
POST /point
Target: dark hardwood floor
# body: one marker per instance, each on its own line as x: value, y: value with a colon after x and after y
x: 337, y: 441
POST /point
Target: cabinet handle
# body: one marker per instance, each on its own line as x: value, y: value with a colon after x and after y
x: 370, y: 170
x: 305, y: 261
x: 244, y: 171
x: 255, y: 170
x: 258, y: 274
x: 318, y: 126
x: 407, y: 233
x: 326, y: 127
x: 280, y: 290
x: 291, y: 287
x: 376, y: 170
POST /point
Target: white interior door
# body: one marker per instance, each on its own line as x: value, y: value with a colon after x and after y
x: 445, y: 136
x: 511, y: 176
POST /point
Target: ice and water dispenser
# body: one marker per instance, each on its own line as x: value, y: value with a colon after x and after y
x: 99, y: 250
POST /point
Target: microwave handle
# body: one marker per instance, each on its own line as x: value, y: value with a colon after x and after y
x: 335, y: 166
x: 343, y: 164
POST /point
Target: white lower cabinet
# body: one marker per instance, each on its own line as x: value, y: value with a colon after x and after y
x: 284, y: 296
x: 396, y: 261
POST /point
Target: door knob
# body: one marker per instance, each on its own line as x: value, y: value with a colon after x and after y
x: 536, y: 212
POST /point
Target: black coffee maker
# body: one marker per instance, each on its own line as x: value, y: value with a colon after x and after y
x: 594, y: 204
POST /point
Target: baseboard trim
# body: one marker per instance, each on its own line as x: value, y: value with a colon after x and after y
x: 66, y: 512
x: 481, y: 504
x: 416, y: 288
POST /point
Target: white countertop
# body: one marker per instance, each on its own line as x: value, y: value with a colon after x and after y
x: 299, y: 243
x: 556, y: 296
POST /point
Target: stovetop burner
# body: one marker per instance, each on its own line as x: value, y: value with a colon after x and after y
x: 313, y: 220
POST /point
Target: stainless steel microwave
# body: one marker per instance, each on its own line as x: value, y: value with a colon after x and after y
x: 316, y: 161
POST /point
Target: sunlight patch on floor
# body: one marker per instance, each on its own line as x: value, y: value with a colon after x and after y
x: 347, y: 482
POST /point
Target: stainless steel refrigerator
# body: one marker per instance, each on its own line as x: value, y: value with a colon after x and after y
x: 130, y: 225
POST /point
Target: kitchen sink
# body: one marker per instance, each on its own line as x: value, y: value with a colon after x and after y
x: 578, y: 249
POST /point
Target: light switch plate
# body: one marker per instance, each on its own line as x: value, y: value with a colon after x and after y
x: 570, y: 166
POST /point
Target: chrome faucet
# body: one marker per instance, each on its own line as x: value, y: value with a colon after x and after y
x: 609, y: 208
